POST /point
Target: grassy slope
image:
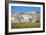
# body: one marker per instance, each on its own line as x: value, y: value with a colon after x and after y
x: 25, y: 25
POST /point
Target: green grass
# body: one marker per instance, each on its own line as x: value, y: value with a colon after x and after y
x: 25, y: 25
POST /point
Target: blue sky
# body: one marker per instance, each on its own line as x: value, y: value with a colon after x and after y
x: 15, y: 9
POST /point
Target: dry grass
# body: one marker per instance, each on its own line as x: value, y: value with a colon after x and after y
x: 25, y: 25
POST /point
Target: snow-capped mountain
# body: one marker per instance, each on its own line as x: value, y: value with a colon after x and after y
x: 25, y: 17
